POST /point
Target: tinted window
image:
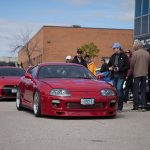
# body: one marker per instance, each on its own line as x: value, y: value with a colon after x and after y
x: 62, y: 71
x: 149, y: 23
x: 12, y: 72
x: 145, y: 7
x: 137, y: 26
x: 138, y: 4
x: 144, y: 24
x: 33, y: 71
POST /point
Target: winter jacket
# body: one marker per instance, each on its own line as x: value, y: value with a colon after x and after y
x: 104, y: 67
x: 83, y: 62
x: 140, y: 62
x: 123, y: 64
x: 92, y: 67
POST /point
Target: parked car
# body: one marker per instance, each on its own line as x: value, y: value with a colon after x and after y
x: 65, y: 89
x: 9, y: 79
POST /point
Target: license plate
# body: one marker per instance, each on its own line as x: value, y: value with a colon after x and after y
x: 14, y: 90
x: 87, y: 101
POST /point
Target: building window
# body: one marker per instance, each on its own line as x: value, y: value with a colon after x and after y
x: 145, y: 24
x: 149, y: 23
x: 137, y: 28
x: 145, y: 7
x: 138, y: 4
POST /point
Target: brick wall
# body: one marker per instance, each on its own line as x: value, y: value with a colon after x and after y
x: 58, y: 42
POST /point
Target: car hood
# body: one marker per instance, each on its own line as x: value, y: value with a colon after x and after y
x: 77, y: 84
x: 9, y: 80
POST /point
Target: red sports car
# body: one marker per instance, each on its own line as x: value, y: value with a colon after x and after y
x: 9, y: 79
x: 65, y: 89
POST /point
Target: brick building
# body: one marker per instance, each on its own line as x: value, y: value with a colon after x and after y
x: 56, y: 42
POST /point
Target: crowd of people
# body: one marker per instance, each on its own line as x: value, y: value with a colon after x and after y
x: 129, y: 68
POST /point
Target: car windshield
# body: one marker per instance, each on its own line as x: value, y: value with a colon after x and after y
x: 65, y: 71
x: 12, y: 72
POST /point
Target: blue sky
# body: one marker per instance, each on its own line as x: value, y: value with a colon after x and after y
x: 19, y: 15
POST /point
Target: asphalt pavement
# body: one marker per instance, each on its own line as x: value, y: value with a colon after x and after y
x: 20, y: 130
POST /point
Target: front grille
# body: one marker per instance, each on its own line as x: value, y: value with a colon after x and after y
x: 7, y: 91
x: 77, y: 105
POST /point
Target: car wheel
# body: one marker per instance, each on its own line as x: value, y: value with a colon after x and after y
x: 18, y: 100
x: 37, y: 105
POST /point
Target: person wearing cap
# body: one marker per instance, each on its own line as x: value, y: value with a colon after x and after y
x: 140, y: 62
x: 119, y: 65
x: 78, y: 59
x: 90, y: 64
x: 68, y: 59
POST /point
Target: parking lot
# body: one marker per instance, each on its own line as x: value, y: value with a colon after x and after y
x: 20, y: 130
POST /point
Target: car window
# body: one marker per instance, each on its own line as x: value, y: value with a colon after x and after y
x: 64, y: 71
x: 12, y: 71
x: 33, y: 71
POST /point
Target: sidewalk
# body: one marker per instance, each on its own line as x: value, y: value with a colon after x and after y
x: 128, y: 106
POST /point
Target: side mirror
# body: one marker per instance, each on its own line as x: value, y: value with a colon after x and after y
x: 100, y: 77
x: 28, y: 75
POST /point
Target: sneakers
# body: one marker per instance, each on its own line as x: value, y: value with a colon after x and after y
x: 143, y: 109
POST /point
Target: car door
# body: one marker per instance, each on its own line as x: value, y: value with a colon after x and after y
x: 29, y: 86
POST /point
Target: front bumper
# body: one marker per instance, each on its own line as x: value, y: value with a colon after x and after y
x: 8, y: 92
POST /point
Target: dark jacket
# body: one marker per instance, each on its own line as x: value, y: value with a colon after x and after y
x: 83, y: 62
x: 123, y: 64
x: 104, y: 67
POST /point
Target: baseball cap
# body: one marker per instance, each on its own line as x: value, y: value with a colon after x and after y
x: 79, y: 51
x: 68, y: 57
x: 116, y: 45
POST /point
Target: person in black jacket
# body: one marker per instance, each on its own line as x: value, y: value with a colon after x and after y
x: 78, y: 59
x: 104, y: 66
x: 119, y: 65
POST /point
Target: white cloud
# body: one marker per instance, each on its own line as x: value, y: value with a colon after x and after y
x: 76, y: 2
x: 8, y: 30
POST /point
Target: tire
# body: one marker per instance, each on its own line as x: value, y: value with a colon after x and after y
x: 18, y: 100
x: 37, y: 105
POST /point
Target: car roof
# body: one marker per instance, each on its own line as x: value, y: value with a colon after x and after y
x: 60, y: 63
x: 10, y: 67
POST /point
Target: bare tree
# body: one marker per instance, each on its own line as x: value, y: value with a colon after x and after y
x: 22, y: 41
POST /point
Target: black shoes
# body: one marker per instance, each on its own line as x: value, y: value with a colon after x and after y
x: 134, y: 108
x: 142, y: 109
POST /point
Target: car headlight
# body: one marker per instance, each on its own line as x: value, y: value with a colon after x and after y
x: 59, y: 92
x: 107, y: 92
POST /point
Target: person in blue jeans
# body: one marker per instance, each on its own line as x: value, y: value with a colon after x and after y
x: 119, y: 65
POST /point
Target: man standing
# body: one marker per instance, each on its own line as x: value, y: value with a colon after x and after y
x: 119, y: 65
x: 140, y: 62
x: 78, y: 59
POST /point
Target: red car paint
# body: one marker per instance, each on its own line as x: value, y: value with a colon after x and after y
x: 9, y: 79
x: 79, y: 88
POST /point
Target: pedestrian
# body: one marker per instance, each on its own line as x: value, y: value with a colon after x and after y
x: 90, y: 64
x: 118, y: 65
x: 140, y: 62
x: 104, y: 66
x: 68, y: 59
x: 78, y: 59
x: 129, y: 78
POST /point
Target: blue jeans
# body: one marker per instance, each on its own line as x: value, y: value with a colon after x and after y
x: 118, y: 84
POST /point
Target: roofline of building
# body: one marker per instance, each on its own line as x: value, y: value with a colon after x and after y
x: 80, y: 27
x: 74, y: 27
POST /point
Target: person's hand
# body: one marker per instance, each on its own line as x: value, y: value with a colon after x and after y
x: 110, y: 68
